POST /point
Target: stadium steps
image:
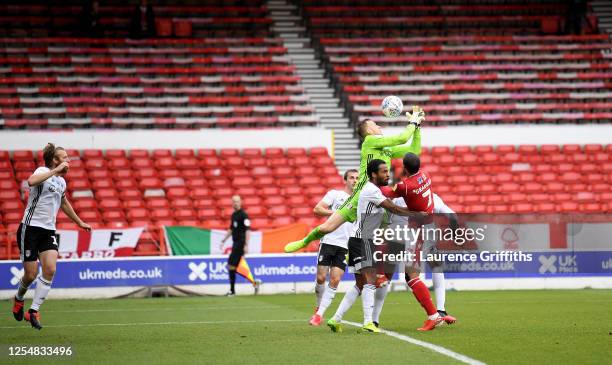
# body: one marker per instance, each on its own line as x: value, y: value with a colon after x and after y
x: 603, y: 10
x: 288, y: 26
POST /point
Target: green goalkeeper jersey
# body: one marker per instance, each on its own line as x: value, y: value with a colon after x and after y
x: 383, y: 148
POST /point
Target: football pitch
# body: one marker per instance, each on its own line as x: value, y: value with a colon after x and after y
x: 495, y: 327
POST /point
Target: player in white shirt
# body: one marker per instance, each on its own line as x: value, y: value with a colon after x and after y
x: 371, y: 208
x: 381, y: 292
x: 333, y: 247
x: 36, y: 233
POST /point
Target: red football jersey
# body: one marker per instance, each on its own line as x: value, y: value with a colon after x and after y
x: 416, y: 191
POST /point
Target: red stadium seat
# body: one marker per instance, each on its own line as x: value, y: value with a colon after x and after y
x: 274, y: 152
x: 157, y: 203
x: 112, y: 154
x: 318, y: 151
x: 278, y: 211
x: 294, y: 152
x: 92, y: 154
x: 206, y: 153
x: 138, y: 153
x: 274, y: 200
x: 229, y: 152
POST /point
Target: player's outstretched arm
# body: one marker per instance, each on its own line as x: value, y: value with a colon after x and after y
x: 389, y: 141
x: 414, y: 121
x: 396, y: 209
x: 389, y: 192
x: 413, y: 147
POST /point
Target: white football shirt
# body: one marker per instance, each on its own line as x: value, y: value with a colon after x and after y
x: 44, y: 201
x: 369, y: 212
x: 334, y: 199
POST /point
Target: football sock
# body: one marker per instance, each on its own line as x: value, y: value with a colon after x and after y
x: 232, y: 275
x: 319, y: 290
x: 314, y: 235
x: 379, y: 301
x: 21, y: 290
x: 367, y: 299
x: 328, y: 297
x: 347, y: 302
x: 439, y: 289
x: 40, y: 293
x: 421, y: 293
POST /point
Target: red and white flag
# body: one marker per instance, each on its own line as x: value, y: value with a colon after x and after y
x: 98, y: 242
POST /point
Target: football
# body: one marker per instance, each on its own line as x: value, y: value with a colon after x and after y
x: 392, y: 106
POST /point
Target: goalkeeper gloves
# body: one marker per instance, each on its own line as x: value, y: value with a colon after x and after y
x: 417, y: 116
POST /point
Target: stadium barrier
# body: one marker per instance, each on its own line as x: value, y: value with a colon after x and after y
x: 110, y: 277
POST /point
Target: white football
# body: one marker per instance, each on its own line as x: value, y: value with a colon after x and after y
x: 392, y: 106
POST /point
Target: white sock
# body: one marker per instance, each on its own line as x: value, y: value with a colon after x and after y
x: 434, y: 316
x: 367, y: 299
x: 319, y: 290
x: 439, y: 290
x: 379, y: 301
x: 328, y: 297
x: 21, y: 290
x: 42, y: 290
x: 347, y: 302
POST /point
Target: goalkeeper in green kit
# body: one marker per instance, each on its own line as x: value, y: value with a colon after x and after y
x: 375, y: 146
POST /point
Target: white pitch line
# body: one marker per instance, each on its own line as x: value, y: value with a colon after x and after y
x: 439, y: 349
x: 157, y: 323
x: 170, y: 309
x: 157, y: 309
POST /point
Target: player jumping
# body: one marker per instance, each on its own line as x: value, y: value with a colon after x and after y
x: 333, y: 249
x: 371, y: 208
x: 36, y: 233
x: 354, y: 292
x: 416, y: 191
x: 375, y: 146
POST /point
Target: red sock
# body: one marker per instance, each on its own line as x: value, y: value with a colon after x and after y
x: 421, y: 293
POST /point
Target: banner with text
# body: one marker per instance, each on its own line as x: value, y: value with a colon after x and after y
x: 98, y: 242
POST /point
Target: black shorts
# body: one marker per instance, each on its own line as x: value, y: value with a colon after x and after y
x: 330, y: 255
x: 361, y: 254
x: 383, y: 263
x: 234, y: 257
x: 34, y: 240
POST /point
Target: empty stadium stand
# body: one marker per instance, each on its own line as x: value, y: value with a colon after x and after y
x: 467, y: 63
x: 222, y: 79
x: 208, y: 18
x: 118, y: 188
x: 521, y: 179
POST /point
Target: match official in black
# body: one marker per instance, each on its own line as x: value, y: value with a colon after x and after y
x: 240, y: 231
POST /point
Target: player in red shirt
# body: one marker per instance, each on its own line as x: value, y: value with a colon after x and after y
x: 416, y: 190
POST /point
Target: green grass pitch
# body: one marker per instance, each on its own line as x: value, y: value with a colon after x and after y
x: 496, y: 327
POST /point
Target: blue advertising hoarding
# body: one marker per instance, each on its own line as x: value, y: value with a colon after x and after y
x: 205, y: 270
x: 183, y: 270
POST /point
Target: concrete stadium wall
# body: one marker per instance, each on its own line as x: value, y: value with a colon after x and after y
x: 171, y: 139
x: 300, y: 137
x: 513, y: 134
